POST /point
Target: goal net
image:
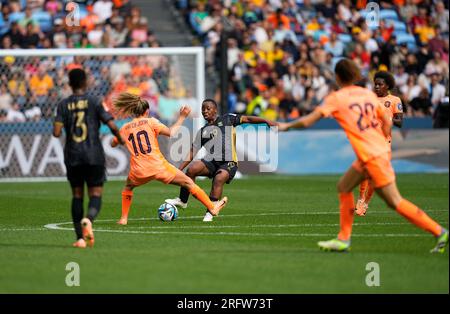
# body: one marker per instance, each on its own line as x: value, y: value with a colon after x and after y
x: 34, y: 81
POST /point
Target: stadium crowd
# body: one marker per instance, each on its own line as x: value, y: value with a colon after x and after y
x: 31, y: 87
x: 281, y: 53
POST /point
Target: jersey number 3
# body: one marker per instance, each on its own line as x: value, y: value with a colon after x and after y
x: 367, y: 117
x: 80, y: 124
x: 139, y: 136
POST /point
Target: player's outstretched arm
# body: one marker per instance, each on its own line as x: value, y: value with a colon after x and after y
x: 301, y: 123
x: 172, y: 130
x: 115, y: 130
x: 257, y: 120
x: 397, y: 120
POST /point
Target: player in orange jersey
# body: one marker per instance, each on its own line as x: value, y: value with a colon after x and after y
x: 384, y: 82
x: 358, y: 112
x: 147, y: 163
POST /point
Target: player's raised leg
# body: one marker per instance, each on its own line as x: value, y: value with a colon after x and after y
x: 127, y: 197
x: 197, y: 168
x: 345, y: 188
x: 415, y: 215
x: 183, y: 180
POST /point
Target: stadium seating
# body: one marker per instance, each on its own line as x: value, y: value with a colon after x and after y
x: 44, y: 20
x: 312, y: 37
x: 388, y: 15
x: 404, y: 38
x: 16, y: 16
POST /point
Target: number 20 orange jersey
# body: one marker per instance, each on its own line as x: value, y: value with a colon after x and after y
x: 358, y: 110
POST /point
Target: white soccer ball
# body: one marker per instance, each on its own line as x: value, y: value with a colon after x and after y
x: 167, y: 212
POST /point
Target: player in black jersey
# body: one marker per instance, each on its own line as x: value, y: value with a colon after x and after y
x: 81, y: 115
x: 220, y: 163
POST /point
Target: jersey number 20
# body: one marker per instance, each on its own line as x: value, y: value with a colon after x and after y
x: 139, y: 136
x: 367, y: 117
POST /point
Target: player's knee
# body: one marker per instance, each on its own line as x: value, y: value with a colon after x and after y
x: 77, y: 193
x: 220, y: 178
x: 393, y: 201
x: 188, y: 183
x: 191, y: 172
x: 341, y: 188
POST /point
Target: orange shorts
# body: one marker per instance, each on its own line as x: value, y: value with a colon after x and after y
x: 378, y: 169
x: 165, y: 174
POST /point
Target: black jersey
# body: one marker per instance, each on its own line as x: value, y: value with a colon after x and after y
x: 81, y: 116
x: 219, y: 138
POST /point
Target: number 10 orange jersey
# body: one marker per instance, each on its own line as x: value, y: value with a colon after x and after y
x: 146, y: 160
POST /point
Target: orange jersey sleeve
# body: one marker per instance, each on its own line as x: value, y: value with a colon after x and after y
x: 357, y: 111
x: 392, y: 103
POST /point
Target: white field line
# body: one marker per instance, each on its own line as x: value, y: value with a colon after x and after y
x: 175, y: 226
x: 23, y: 229
x: 130, y: 230
x: 58, y: 226
x: 55, y: 227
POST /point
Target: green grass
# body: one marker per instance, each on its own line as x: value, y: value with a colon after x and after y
x: 253, y: 253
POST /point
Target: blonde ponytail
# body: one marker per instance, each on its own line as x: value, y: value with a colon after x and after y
x: 130, y: 105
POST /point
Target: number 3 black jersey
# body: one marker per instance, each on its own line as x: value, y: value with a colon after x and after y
x: 81, y: 116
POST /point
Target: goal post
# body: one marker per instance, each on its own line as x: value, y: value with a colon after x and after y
x: 33, y: 81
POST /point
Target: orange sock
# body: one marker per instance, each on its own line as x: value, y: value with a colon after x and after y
x: 199, y: 194
x: 127, y: 197
x: 418, y: 217
x: 363, y: 188
x: 347, y: 209
x: 369, y: 192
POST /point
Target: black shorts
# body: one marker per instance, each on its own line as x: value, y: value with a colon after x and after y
x: 215, y: 166
x: 93, y: 175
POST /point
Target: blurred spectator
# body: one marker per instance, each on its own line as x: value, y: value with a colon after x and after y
x: 437, y: 90
x: 5, y: 98
x: 334, y: 46
x: 15, y: 114
x: 40, y: 85
x: 15, y: 35
x: 421, y: 105
x: 27, y: 20
x: 103, y: 9
x: 31, y: 37
x: 437, y: 65
x: 118, y: 33
x: 441, y: 16
x: 411, y: 89
x: 441, y: 114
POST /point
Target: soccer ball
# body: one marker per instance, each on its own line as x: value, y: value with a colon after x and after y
x: 167, y: 212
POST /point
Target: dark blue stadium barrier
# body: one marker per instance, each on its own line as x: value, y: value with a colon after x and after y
x: 409, y: 123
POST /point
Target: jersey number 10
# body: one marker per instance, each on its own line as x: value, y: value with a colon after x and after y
x: 139, y: 136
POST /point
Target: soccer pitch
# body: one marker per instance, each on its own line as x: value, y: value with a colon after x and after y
x: 264, y: 241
